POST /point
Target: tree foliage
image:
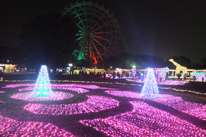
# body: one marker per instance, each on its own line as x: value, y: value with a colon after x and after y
x: 126, y: 60
x: 48, y: 39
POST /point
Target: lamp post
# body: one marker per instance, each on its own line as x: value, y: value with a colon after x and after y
x: 70, y: 65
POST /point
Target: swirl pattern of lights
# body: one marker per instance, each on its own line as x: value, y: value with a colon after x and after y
x: 11, y: 127
x: 111, y: 112
x: 194, y: 109
x: 93, y: 104
x: 144, y: 120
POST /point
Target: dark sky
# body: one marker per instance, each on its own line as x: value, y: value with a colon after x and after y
x: 161, y: 28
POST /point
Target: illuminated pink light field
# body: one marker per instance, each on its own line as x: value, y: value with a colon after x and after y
x: 30, y: 96
x: 144, y: 120
x: 2, y: 91
x: 93, y: 104
x: 11, y: 127
x: 56, y: 85
x: 194, y: 109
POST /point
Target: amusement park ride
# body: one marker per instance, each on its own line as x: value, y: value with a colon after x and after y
x: 98, y: 35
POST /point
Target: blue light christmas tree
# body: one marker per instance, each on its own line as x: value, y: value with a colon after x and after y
x: 43, y: 87
x: 150, y: 88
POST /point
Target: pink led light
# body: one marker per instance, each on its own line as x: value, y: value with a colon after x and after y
x: 144, y: 120
x: 29, y: 96
x: 18, y: 85
x: 93, y: 104
x: 2, y: 91
x: 11, y: 127
x: 78, y: 90
x: 2, y: 101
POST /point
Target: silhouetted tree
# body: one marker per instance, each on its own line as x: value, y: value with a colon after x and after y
x: 126, y: 60
x: 48, y: 39
x: 203, y: 62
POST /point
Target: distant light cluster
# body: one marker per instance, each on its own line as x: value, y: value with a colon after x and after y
x: 11, y: 127
x: 93, y: 104
x: 144, y: 120
x: 29, y: 96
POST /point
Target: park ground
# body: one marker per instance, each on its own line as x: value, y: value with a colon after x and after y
x: 101, y: 107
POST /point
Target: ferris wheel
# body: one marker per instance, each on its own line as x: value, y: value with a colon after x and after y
x: 98, y: 33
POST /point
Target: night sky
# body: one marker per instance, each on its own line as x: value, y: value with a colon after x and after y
x: 162, y: 28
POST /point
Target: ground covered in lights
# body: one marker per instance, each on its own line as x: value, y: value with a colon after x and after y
x: 100, y: 109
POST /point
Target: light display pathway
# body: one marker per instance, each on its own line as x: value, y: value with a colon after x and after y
x: 11, y: 127
x: 144, y: 120
x: 93, y: 104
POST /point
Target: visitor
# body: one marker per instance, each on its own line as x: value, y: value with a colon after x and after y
x: 179, y: 75
x: 160, y: 79
x: 114, y: 75
x: 104, y: 75
x: 81, y: 75
x: 1, y: 75
x: 194, y: 78
x: 185, y: 76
